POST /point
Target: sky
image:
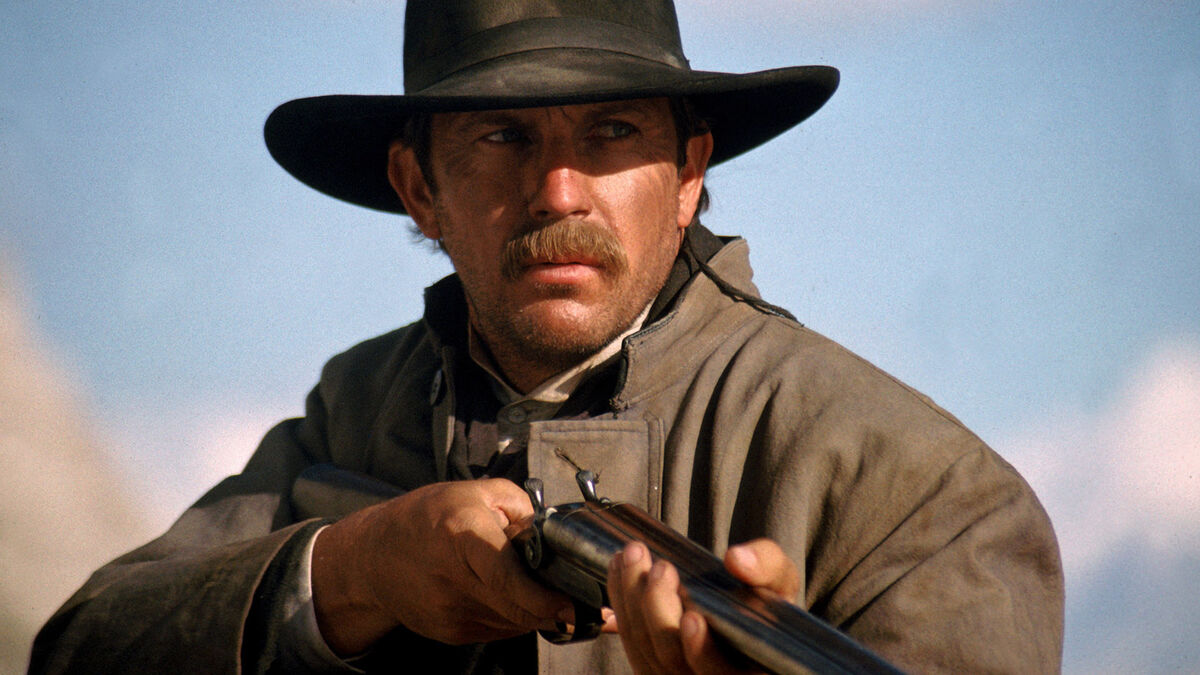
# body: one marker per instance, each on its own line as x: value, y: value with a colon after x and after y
x: 1000, y: 206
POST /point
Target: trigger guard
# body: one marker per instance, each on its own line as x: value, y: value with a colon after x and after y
x: 588, y: 622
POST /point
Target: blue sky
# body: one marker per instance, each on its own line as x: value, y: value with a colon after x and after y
x: 1001, y: 206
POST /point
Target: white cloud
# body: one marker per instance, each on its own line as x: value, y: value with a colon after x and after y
x: 1122, y: 485
x: 1128, y: 472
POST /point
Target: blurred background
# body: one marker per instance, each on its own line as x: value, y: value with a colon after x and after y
x: 1000, y: 206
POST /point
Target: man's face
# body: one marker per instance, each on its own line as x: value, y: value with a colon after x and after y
x: 561, y: 222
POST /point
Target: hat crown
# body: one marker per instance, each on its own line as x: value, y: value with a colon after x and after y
x: 442, y: 37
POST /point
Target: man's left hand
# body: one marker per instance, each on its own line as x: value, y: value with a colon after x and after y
x: 658, y: 633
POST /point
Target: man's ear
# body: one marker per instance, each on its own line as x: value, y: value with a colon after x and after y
x: 407, y: 179
x: 691, y: 177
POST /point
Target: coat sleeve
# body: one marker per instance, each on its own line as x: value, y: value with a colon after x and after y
x: 969, y: 581
x: 912, y: 535
x: 180, y: 602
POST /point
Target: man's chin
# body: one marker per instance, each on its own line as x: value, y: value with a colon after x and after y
x: 565, y: 345
x: 566, y: 340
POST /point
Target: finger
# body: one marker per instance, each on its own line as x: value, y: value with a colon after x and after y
x: 700, y: 650
x: 492, y: 620
x: 485, y: 627
x: 626, y: 575
x: 610, y: 621
x: 499, y: 579
x: 516, y: 527
x: 506, y: 587
x: 762, y: 562
x: 662, y: 609
x: 510, y: 503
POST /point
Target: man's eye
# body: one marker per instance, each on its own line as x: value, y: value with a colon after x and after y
x: 508, y: 135
x: 615, y: 130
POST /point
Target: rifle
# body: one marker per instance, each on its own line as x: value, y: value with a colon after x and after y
x: 568, y: 547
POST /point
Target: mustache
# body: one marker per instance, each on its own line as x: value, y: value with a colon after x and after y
x: 564, y: 239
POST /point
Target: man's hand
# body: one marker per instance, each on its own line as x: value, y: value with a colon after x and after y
x: 659, y: 635
x: 438, y: 561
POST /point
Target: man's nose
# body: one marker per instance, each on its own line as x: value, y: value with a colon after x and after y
x: 562, y: 189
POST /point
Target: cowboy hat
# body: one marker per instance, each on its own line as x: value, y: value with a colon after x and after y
x: 464, y: 55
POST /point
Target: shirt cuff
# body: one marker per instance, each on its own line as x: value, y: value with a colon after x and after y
x: 301, y: 645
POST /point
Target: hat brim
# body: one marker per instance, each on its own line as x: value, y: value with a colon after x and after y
x: 339, y: 144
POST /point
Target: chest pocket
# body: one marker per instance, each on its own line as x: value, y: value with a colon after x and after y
x: 625, y: 454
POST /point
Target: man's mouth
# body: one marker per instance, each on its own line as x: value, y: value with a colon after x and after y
x: 565, y: 246
x: 585, y: 260
x: 561, y: 270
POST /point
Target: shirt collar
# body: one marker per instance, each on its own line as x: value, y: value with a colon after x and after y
x: 558, y: 388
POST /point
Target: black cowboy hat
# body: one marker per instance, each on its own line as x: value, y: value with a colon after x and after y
x: 462, y: 55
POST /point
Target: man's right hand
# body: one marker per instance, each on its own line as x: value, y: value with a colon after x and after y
x: 437, y: 561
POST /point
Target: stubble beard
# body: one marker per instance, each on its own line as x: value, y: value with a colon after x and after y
x: 521, y: 335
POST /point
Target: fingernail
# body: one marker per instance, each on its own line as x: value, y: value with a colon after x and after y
x: 658, y: 570
x: 632, y: 554
x: 743, y: 557
x: 689, y: 626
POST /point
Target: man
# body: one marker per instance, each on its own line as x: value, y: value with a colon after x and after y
x: 557, y: 153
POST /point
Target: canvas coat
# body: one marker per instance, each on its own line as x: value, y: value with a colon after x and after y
x: 726, y: 422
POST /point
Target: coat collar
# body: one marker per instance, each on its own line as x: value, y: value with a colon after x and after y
x: 683, y: 309
x: 697, y: 322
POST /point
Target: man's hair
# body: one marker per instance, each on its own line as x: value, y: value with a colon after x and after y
x: 417, y: 134
x: 688, y: 124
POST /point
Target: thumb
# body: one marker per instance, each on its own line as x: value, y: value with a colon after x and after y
x: 763, y: 563
x: 510, y: 504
